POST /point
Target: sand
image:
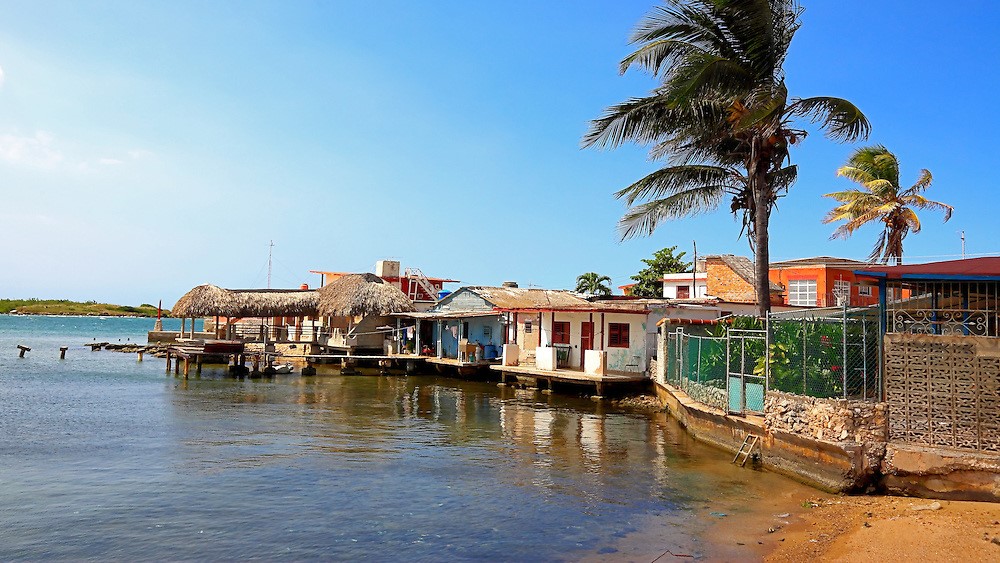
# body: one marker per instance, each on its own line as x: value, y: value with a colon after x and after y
x: 794, y: 527
x: 891, y: 529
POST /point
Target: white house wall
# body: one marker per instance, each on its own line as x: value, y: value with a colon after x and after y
x: 622, y: 359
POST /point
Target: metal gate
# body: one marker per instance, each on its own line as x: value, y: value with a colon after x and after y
x: 746, y: 369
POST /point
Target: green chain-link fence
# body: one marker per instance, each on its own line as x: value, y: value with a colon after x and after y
x: 818, y: 357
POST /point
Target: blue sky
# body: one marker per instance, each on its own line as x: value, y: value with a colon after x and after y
x: 147, y: 147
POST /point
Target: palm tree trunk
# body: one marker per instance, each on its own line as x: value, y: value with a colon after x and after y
x: 761, y: 193
x: 762, y: 262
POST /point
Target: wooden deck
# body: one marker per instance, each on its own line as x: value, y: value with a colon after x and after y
x: 568, y: 376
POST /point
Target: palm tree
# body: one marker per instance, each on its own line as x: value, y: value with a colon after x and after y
x: 593, y: 283
x: 721, y: 116
x: 881, y: 199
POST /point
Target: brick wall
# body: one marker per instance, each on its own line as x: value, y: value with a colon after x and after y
x: 726, y: 284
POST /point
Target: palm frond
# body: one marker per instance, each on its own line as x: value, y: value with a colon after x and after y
x: 855, y: 174
x: 923, y: 182
x: 921, y: 202
x: 642, y: 220
x: 676, y: 179
x: 840, y: 119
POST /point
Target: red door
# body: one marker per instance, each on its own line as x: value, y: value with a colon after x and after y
x: 586, y: 337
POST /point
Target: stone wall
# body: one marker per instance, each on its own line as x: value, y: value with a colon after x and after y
x: 711, y: 396
x: 834, y: 420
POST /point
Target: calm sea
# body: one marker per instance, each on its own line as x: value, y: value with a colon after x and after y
x: 106, y: 458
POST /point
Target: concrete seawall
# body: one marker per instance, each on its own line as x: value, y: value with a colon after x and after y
x: 830, y: 466
x: 862, y: 460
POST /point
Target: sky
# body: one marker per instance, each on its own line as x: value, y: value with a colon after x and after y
x: 149, y: 147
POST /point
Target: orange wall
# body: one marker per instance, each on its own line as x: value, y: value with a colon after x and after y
x: 825, y: 278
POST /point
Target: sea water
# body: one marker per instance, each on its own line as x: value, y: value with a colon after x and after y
x: 103, y: 457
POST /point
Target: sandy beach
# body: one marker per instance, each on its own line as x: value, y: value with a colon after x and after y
x: 790, y: 528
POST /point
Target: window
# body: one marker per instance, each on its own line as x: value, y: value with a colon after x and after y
x: 560, y: 332
x: 841, y: 291
x: 864, y: 290
x: 890, y: 294
x: 618, y: 335
x: 527, y: 327
x: 465, y: 330
x: 683, y: 291
x: 802, y: 293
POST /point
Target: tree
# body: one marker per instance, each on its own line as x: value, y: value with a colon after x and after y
x: 593, y: 283
x: 649, y: 280
x: 881, y: 199
x: 720, y: 116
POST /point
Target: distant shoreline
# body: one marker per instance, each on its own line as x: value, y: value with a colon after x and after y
x: 65, y: 307
x: 84, y: 315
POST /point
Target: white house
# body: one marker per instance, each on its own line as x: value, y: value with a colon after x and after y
x: 686, y: 285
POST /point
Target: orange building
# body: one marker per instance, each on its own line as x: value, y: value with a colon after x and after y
x: 820, y: 281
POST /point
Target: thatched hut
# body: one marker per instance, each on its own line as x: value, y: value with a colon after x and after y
x: 209, y: 300
x: 361, y: 295
x: 356, y: 306
x: 206, y: 300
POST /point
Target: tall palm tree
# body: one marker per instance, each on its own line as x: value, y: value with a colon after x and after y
x: 881, y: 199
x: 721, y: 116
x: 593, y: 283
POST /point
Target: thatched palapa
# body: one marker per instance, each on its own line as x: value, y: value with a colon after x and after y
x: 361, y: 295
x: 208, y: 300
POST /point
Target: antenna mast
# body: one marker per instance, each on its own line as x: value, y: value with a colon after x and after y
x: 963, y: 245
x: 269, y: 248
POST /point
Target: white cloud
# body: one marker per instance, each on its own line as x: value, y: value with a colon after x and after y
x: 37, y: 150
x: 137, y: 154
x: 1, y: 77
x: 109, y: 161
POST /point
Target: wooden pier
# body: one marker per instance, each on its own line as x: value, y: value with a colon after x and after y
x: 601, y: 383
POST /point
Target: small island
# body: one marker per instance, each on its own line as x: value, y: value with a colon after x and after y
x: 75, y: 308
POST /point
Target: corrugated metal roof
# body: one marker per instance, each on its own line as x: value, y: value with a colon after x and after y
x: 445, y: 314
x: 524, y: 298
x: 987, y: 268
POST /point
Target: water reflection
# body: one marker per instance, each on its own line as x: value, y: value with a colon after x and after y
x: 523, y: 438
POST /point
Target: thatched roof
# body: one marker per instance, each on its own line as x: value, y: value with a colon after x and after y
x: 208, y: 300
x: 361, y: 295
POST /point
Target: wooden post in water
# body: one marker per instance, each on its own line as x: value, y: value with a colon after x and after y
x: 187, y: 366
x: 198, y: 362
x: 22, y: 349
x: 140, y: 352
x: 62, y: 352
x: 168, y: 360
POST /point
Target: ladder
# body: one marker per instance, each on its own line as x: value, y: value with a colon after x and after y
x: 415, y: 275
x: 749, y: 443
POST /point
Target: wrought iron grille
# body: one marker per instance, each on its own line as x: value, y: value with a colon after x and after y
x: 947, y: 308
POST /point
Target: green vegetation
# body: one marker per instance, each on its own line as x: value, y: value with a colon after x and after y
x: 881, y: 199
x: 720, y: 116
x: 593, y: 283
x: 649, y: 280
x: 66, y: 307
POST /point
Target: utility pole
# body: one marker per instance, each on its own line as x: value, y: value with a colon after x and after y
x: 694, y: 272
x: 269, y: 249
x: 963, y: 245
